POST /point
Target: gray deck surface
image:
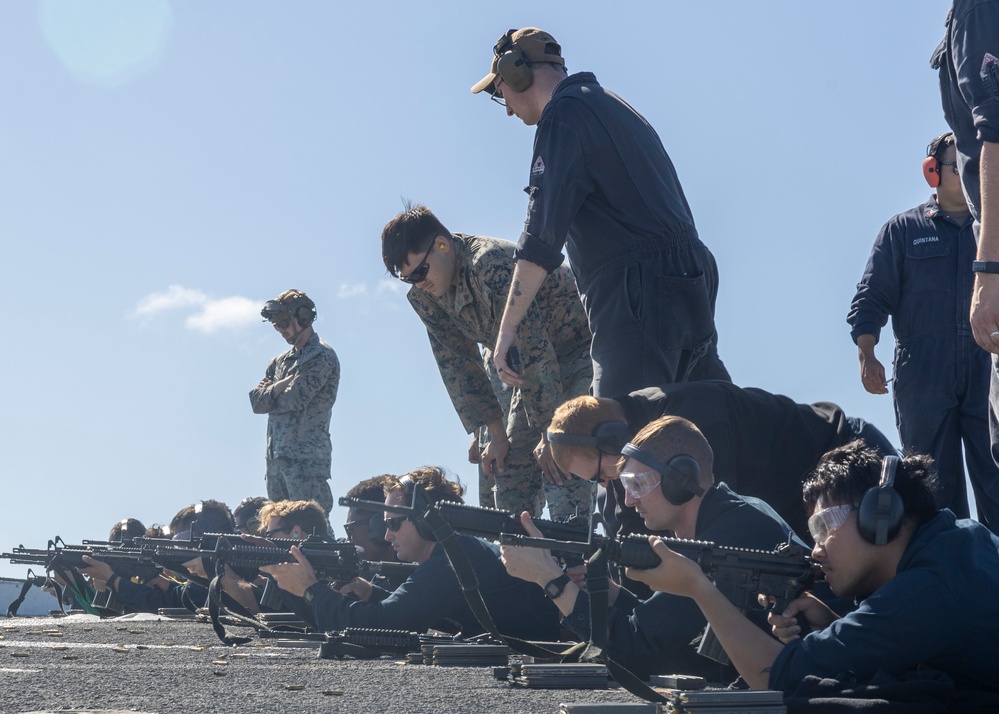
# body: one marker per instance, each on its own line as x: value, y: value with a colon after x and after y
x: 74, y: 663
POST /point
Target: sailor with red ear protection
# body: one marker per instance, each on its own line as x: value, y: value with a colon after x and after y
x: 921, y: 274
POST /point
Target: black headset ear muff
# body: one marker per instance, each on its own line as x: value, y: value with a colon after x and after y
x: 881, y: 511
x: 681, y: 484
x: 680, y: 475
x: 421, y: 504
x: 512, y: 64
x: 609, y: 437
x: 376, y: 529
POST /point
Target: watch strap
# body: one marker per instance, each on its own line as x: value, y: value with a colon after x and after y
x: 985, y: 266
x: 310, y: 593
x: 556, y: 586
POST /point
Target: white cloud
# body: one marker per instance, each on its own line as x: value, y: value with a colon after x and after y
x: 349, y: 291
x: 174, y: 297
x: 209, y: 314
x: 227, y: 313
x: 395, y: 287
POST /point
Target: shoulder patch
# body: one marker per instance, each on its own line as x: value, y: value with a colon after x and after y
x: 990, y: 73
x: 539, y: 167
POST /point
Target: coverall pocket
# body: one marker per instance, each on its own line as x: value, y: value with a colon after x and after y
x: 685, y: 318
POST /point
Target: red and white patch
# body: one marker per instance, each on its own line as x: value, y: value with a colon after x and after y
x: 539, y: 167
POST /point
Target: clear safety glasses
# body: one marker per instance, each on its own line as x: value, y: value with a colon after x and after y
x: 639, y: 484
x: 821, y: 524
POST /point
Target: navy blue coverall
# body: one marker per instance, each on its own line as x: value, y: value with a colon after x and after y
x: 603, y: 186
x: 919, y: 273
x: 968, y: 64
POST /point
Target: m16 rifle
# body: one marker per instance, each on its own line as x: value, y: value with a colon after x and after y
x: 489, y: 523
x: 741, y: 574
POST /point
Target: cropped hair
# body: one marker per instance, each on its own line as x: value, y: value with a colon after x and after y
x: 938, y: 146
x: 412, y: 231
x: 844, y: 475
x: 307, y: 515
x: 370, y: 489
x: 126, y: 530
x: 215, y: 517
x: 670, y: 436
x: 434, y: 482
x: 580, y: 416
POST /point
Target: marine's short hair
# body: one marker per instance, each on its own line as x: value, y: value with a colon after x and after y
x: 580, y: 416
x: 670, y: 436
x: 434, y: 482
x: 307, y: 515
x: 412, y: 231
x: 844, y: 475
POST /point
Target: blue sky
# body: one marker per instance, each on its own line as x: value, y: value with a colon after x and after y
x: 166, y: 167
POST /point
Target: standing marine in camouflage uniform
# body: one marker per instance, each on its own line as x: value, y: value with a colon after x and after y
x: 459, y: 289
x: 297, y: 394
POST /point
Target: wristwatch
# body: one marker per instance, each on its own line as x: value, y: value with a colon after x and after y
x: 985, y: 266
x: 310, y: 593
x: 555, y: 586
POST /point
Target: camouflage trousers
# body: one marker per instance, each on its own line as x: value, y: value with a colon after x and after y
x: 522, y: 486
x: 299, y: 480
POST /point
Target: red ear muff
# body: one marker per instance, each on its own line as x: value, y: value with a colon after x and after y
x: 931, y: 171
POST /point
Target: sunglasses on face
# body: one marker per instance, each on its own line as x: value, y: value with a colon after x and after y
x: 394, y: 524
x: 419, y: 273
x: 282, y: 324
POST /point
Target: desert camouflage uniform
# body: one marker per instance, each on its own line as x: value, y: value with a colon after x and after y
x: 298, y: 423
x: 554, y: 350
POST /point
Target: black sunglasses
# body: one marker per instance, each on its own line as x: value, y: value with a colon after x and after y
x: 394, y: 524
x: 419, y: 273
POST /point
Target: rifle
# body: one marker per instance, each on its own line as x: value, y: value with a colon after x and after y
x: 333, y: 562
x: 489, y: 523
x: 127, y: 562
x: 741, y: 574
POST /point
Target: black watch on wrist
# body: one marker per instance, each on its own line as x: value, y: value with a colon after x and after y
x: 310, y: 593
x: 556, y: 586
x: 985, y: 266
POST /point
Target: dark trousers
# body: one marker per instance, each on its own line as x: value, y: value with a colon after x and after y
x: 652, y: 320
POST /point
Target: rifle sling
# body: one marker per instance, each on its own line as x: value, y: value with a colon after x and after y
x: 12, y: 608
x: 216, y: 608
x: 469, y: 583
x: 597, y: 587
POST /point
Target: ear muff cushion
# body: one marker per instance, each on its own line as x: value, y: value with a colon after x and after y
x: 515, y: 69
x: 881, y: 510
x: 931, y: 171
x: 376, y: 529
x: 880, y: 515
x: 420, y: 503
x: 680, y: 480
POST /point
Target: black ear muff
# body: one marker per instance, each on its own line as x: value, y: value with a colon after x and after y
x: 881, y: 511
x: 931, y: 171
x: 608, y: 437
x: 681, y: 483
x: 680, y: 475
x: 376, y: 529
x: 421, y: 504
